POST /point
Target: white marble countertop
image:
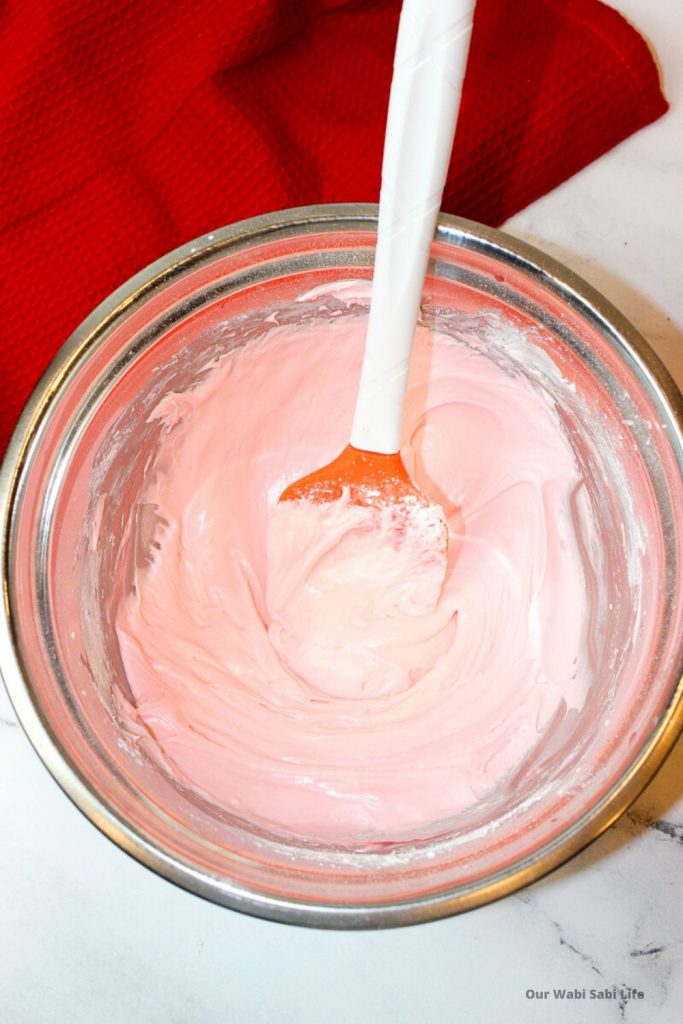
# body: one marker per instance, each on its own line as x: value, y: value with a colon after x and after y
x: 88, y: 935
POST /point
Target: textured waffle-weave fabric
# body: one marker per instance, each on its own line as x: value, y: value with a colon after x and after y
x: 130, y: 126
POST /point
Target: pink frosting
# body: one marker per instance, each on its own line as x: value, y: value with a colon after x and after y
x: 295, y: 665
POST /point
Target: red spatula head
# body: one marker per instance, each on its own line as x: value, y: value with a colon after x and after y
x: 370, y: 478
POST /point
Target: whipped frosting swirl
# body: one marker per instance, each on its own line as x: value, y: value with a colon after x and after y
x: 297, y: 666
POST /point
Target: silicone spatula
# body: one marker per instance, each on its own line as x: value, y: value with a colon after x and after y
x: 429, y: 67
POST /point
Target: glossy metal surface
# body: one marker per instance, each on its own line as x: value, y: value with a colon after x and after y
x: 103, y: 364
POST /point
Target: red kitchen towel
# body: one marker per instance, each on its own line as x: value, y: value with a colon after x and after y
x: 130, y: 126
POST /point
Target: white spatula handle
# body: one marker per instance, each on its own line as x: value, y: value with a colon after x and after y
x: 429, y: 67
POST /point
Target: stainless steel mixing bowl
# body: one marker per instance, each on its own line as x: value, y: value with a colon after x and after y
x: 86, y: 431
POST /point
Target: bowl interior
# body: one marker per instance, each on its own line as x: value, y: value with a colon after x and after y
x: 73, y: 544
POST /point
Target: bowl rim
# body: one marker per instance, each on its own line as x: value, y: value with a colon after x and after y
x: 565, y: 283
